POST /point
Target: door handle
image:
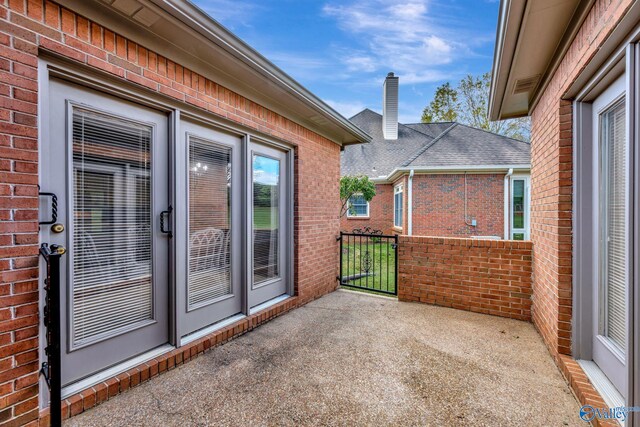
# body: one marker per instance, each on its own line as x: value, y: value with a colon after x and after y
x: 54, y: 208
x: 166, y: 214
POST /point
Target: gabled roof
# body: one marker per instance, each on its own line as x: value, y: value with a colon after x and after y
x: 424, y: 146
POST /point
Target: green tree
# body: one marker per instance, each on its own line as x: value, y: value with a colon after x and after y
x: 444, y: 106
x: 471, y: 106
x: 351, y: 185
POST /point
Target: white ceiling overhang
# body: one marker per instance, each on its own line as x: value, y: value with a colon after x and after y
x: 532, y: 38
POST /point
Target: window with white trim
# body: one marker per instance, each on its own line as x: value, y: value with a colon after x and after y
x: 519, y: 208
x: 397, y: 205
x: 358, y: 207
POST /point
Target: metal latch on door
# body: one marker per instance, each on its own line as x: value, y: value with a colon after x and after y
x: 166, y: 214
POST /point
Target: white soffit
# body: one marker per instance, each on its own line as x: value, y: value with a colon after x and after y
x: 530, y: 35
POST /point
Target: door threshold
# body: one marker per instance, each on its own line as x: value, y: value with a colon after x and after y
x: 268, y: 303
x: 602, y: 384
x: 209, y: 329
x: 111, y: 372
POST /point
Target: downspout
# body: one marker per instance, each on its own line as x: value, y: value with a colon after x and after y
x: 506, y: 204
x: 410, y: 203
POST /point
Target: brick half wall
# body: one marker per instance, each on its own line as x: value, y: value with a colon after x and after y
x: 483, y: 276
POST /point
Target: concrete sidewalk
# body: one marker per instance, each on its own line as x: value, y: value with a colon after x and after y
x: 354, y: 359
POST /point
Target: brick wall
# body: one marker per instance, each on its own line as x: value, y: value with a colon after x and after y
x: 380, y: 212
x: 483, y: 276
x: 28, y: 28
x: 551, y: 181
x: 438, y: 206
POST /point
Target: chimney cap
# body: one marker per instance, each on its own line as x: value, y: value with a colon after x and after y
x: 390, y: 74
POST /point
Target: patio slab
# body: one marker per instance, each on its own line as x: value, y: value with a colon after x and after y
x: 354, y: 359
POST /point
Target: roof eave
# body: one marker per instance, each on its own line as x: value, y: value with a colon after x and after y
x: 511, y: 21
x: 198, y: 20
x: 272, y: 87
x: 398, y: 172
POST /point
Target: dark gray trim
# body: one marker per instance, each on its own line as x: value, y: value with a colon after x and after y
x: 634, y: 315
x: 583, y: 261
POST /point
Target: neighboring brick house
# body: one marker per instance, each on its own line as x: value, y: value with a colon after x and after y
x: 573, y: 66
x: 145, y: 118
x: 437, y: 179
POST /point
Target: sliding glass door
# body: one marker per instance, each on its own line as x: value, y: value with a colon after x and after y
x: 209, y: 215
x: 164, y: 243
x: 107, y: 164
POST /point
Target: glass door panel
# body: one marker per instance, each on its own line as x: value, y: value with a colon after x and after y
x: 269, y: 221
x: 208, y: 214
x: 266, y: 218
x: 109, y: 170
x: 611, y: 190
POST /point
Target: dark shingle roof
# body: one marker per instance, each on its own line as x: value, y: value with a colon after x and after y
x: 424, y: 145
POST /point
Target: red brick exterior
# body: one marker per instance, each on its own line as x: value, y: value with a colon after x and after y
x: 438, y: 206
x: 30, y: 27
x: 483, y: 276
x: 380, y: 212
x: 552, y: 185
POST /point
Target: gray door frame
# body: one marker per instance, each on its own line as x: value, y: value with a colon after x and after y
x: 585, y: 209
x: 189, y: 320
x: 258, y: 294
x: 80, y: 361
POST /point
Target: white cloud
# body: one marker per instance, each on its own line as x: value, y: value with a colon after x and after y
x: 400, y: 36
x: 360, y: 63
x: 347, y: 109
x: 231, y: 12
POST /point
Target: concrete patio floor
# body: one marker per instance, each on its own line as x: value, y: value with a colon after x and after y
x: 354, y: 359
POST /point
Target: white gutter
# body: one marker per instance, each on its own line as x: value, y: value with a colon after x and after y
x: 451, y: 169
x: 506, y: 203
x: 410, y: 202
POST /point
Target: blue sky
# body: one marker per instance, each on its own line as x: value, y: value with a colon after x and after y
x: 342, y: 49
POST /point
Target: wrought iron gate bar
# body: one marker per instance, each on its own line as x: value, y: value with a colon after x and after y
x: 364, y: 254
x: 51, y: 368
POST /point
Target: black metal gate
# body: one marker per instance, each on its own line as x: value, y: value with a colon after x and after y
x: 369, y: 261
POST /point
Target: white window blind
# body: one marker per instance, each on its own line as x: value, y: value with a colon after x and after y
x: 358, y: 206
x: 397, y: 206
x: 209, y: 222
x: 614, y: 225
x: 112, y: 264
x: 266, y: 218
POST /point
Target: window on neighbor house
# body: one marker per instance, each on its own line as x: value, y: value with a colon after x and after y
x: 397, y: 206
x: 520, y: 208
x: 358, y: 206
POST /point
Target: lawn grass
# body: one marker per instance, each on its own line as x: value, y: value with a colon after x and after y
x: 382, y: 264
x: 262, y: 217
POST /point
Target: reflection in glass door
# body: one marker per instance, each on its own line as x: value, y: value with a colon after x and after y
x: 266, y: 218
x: 208, y: 216
x: 269, y: 183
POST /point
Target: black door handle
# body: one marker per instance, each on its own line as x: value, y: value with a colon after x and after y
x: 54, y: 208
x: 166, y: 213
